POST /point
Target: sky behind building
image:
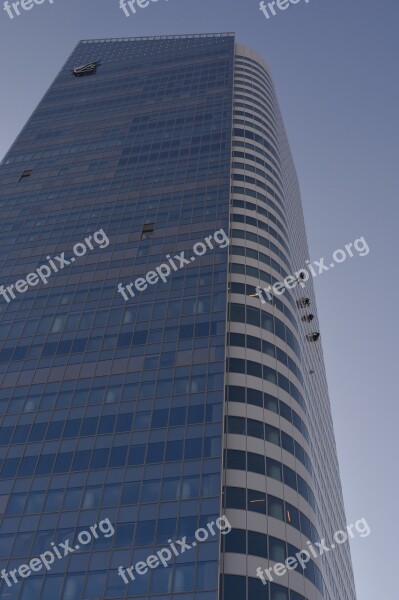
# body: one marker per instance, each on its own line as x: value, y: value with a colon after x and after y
x: 334, y: 68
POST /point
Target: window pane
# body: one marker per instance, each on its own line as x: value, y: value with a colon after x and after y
x: 184, y: 578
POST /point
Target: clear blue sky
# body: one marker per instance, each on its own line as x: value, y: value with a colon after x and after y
x: 334, y: 64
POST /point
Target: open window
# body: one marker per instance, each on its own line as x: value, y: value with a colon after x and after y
x: 147, y: 231
x: 26, y: 174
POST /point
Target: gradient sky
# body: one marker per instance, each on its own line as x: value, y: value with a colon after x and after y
x: 334, y: 65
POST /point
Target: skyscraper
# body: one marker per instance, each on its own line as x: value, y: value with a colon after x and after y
x: 146, y: 388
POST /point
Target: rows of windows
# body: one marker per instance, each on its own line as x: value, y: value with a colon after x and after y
x: 261, y: 76
x: 98, y: 343
x: 78, y: 219
x: 91, y: 497
x: 65, y: 150
x: 165, y: 142
x: 249, y: 88
x: 258, y: 256
x: 245, y: 542
x: 262, y: 121
x: 133, y: 209
x: 263, y: 112
x: 155, y: 48
x: 256, y: 194
x: 175, y: 74
x: 258, y: 463
x: 191, y: 114
x: 116, y: 389
x: 171, y: 72
x: 102, y: 143
x: 262, y: 241
x: 238, y: 218
x: 265, y: 504
x: 219, y: 71
x: 110, y: 424
x: 82, y: 583
x: 91, y: 580
x: 251, y: 125
x: 235, y: 189
x: 268, y: 433
x: 189, y: 122
x: 237, y: 393
x: 255, y: 84
x: 124, y: 344
x: 263, y: 172
x: 251, y: 588
x: 250, y: 91
x: 255, y: 369
x: 240, y: 85
x: 253, y: 107
x: 101, y: 294
x: 121, y: 345
x: 139, y: 81
x: 122, y: 101
x: 201, y: 174
x: 56, y: 320
x: 163, y: 170
x: 249, y: 290
x: 264, y: 277
x: 128, y: 82
x: 254, y: 65
x: 200, y: 162
x: 254, y: 343
x: 239, y: 313
x: 243, y: 73
x: 258, y: 183
x: 262, y: 211
x: 104, y: 347
x: 248, y: 146
x: 168, y: 157
x: 142, y: 254
x: 250, y: 135
x: 246, y: 93
x: 125, y: 348
x: 250, y: 99
x: 44, y: 135
x: 168, y: 160
x: 262, y: 128
x: 101, y: 458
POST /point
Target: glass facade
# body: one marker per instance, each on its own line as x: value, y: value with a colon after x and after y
x: 133, y: 411
x: 113, y: 409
